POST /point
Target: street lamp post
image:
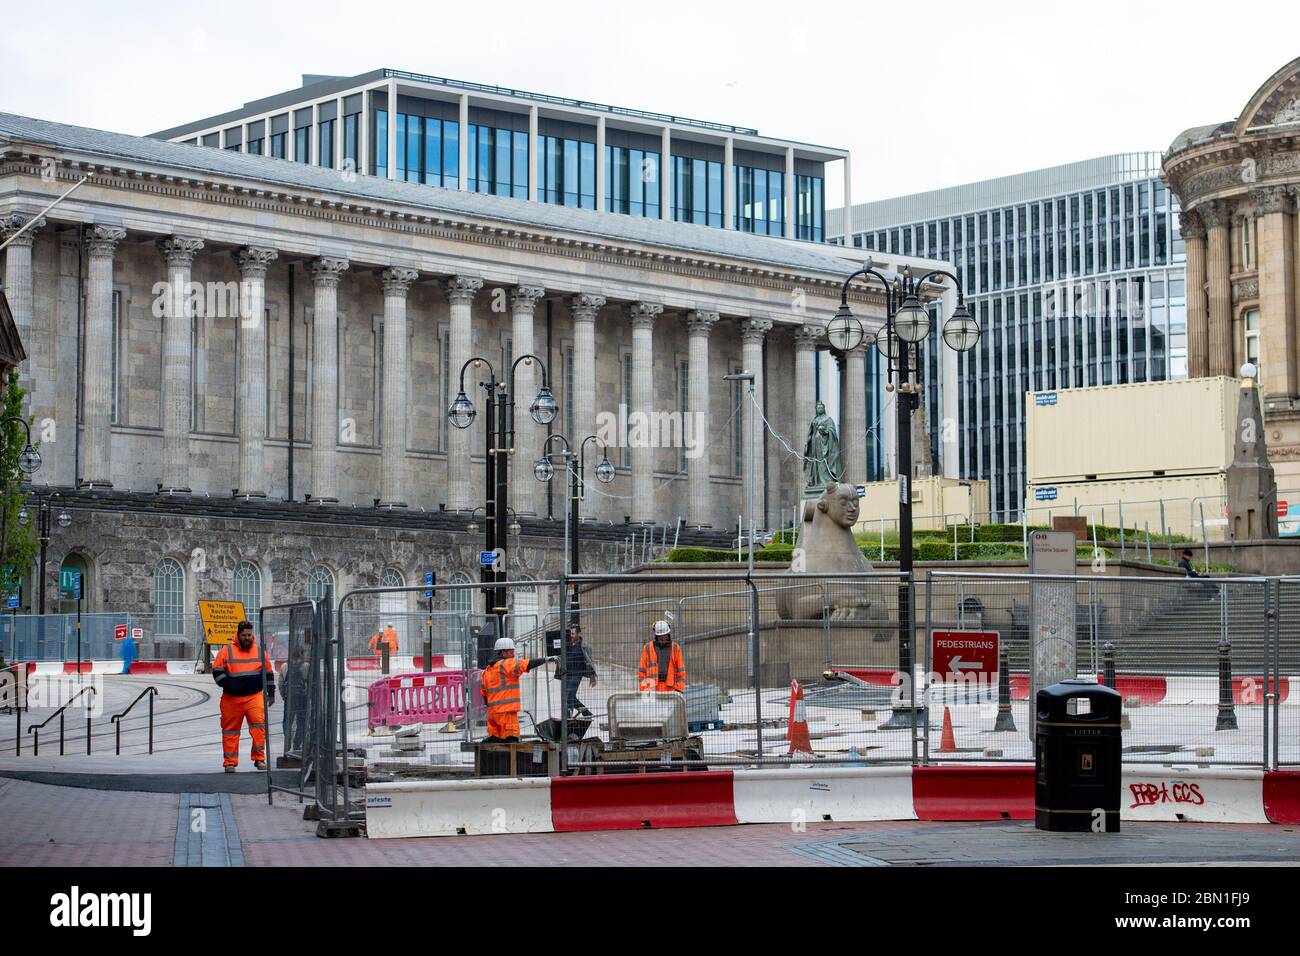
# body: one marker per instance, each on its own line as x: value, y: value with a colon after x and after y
x: 29, y: 462
x: 500, y: 432
x: 544, y: 470
x: 899, y: 340
x: 43, y: 512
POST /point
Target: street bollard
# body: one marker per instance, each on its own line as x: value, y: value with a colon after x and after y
x: 383, y: 658
x: 1108, y: 665
x: 1005, y: 721
x: 428, y: 654
x: 1227, y: 716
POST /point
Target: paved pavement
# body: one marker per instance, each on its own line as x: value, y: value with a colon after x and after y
x: 49, y: 825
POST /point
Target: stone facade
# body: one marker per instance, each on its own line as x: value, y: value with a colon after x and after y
x: 143, y: 389
x: 1238, y: 184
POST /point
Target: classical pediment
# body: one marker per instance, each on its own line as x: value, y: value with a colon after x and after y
x: 1275, y: 104
x: 11, y: 344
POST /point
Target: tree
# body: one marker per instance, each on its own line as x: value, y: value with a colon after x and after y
x: 18, y: 544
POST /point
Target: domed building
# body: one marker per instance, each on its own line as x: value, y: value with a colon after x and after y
x: 1238, y: 182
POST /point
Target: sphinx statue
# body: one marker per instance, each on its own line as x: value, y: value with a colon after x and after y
x: 826, y: 545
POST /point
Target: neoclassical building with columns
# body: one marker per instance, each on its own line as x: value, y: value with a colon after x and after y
x: 1238, y: 182
x: 254, y: 357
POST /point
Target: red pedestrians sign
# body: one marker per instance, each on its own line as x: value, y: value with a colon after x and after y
x: 964, y: 655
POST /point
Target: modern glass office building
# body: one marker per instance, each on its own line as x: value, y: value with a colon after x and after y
x: 470, y: 136
x: 1076, y: 275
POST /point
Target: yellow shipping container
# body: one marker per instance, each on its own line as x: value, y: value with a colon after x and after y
x: 936, y: 502
x: 1151, y: 429
x: 1185, y: 500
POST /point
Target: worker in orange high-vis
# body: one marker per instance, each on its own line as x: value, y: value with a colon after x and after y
x: 662, y: 667
x: 386, y: 638
x: 243, y: 673
x: 501, y: 688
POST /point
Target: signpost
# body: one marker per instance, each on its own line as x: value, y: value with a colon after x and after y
x: 70, y: 584
x: 965, y: 657
x: 1052, y: 613
x: 119, y: 632
x: 220, y: 620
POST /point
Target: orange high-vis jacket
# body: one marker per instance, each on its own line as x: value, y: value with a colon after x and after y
x: 389, y: 637
x: 501, y: 684
x: 240, y: 673
x: 648, y: 673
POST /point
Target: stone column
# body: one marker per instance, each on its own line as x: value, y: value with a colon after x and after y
x: 806, y: 339
x: 525, y: 490
x: 326, y: 273
x: 1277, y: 292
x: 1198, y: 319
x: 253, y: 262
x: 178, y: 252
x: 853, y: 439
x: 585, y: 308
x: 699, y: 506
x: 1218, y: 269
x: 97, y: 462
x: 460, y: 442
x: 392, y: 480
x: 640, y: 415
x: 752, y: 333
x: 18, y: 287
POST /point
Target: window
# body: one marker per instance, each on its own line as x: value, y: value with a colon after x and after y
x: 760, y: 201
x: 697, y: 191
x: 351, y: 141
x: 566, y: 172
x: 248, y: 589
x: 279, y: 144
x: 632, y: 182
x: 1251, y: 326
x: 169, y: 597
x: 325, y: 151
x: 498, y: 161
x: 1247, y: 252
x: 302, y: 144
x: 428, y: 150
x: 320, y: 582
x: 810, y: 208
x: 380, y: 140
x: 460, y: 600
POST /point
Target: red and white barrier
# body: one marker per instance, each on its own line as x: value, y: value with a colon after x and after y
x: 806, y: 794
x: 138, y: 668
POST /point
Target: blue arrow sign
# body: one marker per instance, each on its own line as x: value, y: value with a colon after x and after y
x: 13, y: 601
x: 428, y: 579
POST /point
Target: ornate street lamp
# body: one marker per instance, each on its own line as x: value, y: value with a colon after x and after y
x: 899, y: 341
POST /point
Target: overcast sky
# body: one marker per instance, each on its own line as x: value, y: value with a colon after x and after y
x: 925, y: 95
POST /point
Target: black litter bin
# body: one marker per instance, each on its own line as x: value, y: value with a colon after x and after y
x: 1077, y: 754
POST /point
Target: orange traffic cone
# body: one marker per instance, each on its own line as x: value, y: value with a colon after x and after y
x: 947, y: 742
x: 797, y: 725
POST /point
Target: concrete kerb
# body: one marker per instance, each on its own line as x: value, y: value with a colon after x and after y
x: 426, y: 808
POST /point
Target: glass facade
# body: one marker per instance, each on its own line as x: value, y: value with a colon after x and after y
x: 498, y: 161
x: 1082, y: 289
x: 760, y: 201
x: 697, y: 191
x: 809, y: 208
x: 566, y: 172
x: 632, y: 182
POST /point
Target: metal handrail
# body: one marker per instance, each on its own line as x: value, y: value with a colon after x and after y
x: 20, y: 699
x: 36, y: 741
x: 152, y: 692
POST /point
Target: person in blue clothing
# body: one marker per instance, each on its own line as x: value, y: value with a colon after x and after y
x: 128, y: 654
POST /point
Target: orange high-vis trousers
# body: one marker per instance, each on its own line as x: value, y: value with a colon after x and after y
x: 503, y: 724
x: 234, y: 711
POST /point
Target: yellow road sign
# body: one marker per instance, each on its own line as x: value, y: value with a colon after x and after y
x: 220, y: 619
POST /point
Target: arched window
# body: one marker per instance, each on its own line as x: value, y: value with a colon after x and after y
x: 248, y: 589
x: 319, y: 582
x: 169, y: 597
x: 393, y: 608
x: 460, y: 601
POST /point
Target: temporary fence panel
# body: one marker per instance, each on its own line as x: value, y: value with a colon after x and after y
x: 754, y: 652
x: 53, y: 637
x: 1284, y: 687
x: 1165, y: 638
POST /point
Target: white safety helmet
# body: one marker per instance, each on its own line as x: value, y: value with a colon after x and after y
x: 503, y: 644
x: 662, y: 627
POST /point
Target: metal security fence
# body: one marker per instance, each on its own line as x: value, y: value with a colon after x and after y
x: 53, y: 637
x: 1283, y: 692
x: 1189, y: 656
x: 755, y: 652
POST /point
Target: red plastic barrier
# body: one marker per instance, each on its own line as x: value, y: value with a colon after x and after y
x: 877, y: 676
x: 1148, y: 689
x: 149, y: 667
x: 1251, y: 690
x: 973, y: 793
x: 638, y: 801
x: 1282, y: 796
